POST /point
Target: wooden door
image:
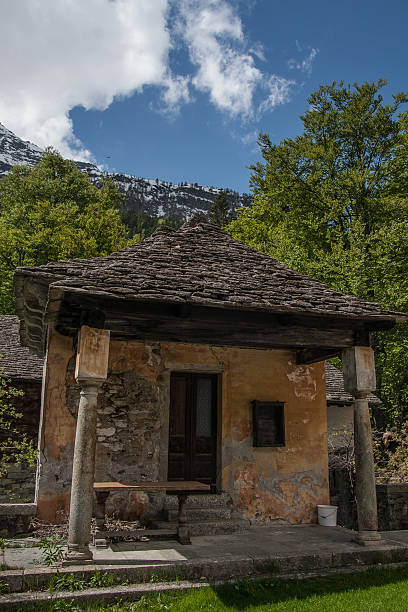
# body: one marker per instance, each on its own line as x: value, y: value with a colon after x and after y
x: 193, y: 427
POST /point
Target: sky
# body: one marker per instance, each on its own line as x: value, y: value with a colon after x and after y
x: 180, y: 89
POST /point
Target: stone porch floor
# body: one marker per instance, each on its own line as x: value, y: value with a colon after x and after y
x: 277, y: 549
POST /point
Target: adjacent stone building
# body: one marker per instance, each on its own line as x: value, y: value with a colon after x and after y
x: 24, y: 370
x: 340, y: 416
x: 208, y: 361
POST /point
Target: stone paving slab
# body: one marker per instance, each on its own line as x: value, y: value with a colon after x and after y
x: 400, y: 536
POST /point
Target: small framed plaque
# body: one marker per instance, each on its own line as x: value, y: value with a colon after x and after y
x: 268, y: 423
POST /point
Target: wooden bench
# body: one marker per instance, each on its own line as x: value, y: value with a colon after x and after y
x: 182, y: 489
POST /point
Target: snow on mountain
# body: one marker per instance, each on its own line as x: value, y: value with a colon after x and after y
x: 155, y: 197
x: 14, y: 151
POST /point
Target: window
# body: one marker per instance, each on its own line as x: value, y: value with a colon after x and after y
x: 268, y: 423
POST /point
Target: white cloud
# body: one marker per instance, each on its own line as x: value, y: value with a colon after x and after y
x: 229, y: 76
x: 225, y: 68
x: 246, y: 138
x: 59, y: 54
x: 258, y: 50
x: 176, y: 92
x: 304, y: 65
x: 278, y: 90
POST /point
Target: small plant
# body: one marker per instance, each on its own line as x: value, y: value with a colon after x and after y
x: 247, y: 587
x: 65, y: 605
x: 154, y: 578
x: 51, y: 549
x: 66, y: 582
x: 159, y: 602
x: 101, y: 579
x: 4, y: 587
x: 72, y: 582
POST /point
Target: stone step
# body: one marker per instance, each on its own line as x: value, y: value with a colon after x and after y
x: 204, y: 500
x: 211, y: 527
x: 201, y: 514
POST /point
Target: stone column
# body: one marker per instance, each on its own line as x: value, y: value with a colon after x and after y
x: 90, y: 372
x: 359, y: 380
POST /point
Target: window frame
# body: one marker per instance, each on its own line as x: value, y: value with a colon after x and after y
x: 279, y: 409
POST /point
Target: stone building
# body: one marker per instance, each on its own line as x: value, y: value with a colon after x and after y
x: 202, y: 359
x: 24, y: 370
x: 340, y: 416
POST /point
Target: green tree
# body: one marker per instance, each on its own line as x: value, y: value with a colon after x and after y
x: 15, y: 447
x: 50, y: 212
x: 332, y: 203
x: 140, y: 224
x: 220, y: 211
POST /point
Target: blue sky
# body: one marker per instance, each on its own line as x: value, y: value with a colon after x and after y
x: 179, y: 89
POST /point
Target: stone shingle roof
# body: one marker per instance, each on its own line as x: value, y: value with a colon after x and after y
x: 16, y: 361
x: 335, y: 392
x: 201, y: 264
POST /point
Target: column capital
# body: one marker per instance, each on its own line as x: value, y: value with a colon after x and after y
x: 88, y: 383
x: 92, y: 355
x: 361, y: 395
x: 359, y: 371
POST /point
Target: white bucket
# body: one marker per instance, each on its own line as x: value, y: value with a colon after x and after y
x: 327, y: 515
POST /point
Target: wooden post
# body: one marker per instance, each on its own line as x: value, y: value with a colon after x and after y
x: 90, y: 372
x: 183, y: 533
x: 359, y: 380
x: 100, y: 511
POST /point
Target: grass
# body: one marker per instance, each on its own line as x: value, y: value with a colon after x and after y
x: 378, y: 590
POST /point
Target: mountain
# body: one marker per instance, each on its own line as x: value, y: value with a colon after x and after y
x: 154, y: 197
x: 14, y: 151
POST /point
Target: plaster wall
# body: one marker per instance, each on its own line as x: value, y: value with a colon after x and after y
x: 340, y: 418
x: 266, y: 484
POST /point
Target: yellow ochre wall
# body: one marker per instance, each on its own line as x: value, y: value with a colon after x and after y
x: 266, y: 484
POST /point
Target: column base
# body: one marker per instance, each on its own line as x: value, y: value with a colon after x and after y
x: 368, y: 538
x: 77, y: 556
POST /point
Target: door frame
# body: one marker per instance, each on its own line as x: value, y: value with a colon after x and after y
x: 191, y: 458
x: 189, y: 368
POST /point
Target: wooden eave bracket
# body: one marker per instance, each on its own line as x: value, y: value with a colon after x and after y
x: 307, y: 356
x: 52, y: 309
x: 361, y: 337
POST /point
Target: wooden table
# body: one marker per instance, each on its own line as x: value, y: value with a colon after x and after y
x: 182, y: 489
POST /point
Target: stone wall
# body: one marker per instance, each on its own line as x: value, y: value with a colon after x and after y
x: 266, y: 484
x: 19, y: 483
x: 15, y: 519
x: 392, y: 502
x: 128, y: 437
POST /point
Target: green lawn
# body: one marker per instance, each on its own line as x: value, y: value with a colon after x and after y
x: 377, y: 590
